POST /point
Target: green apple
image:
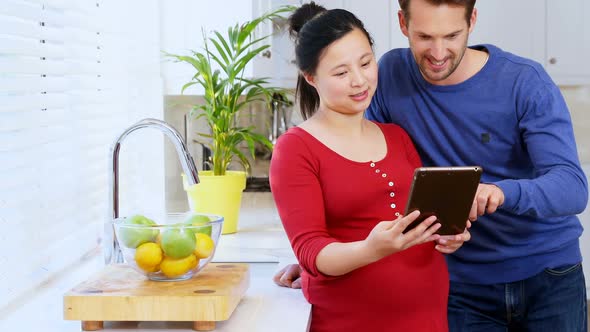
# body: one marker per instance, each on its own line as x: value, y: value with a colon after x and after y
x: 133, y: 237
x: 199, y: 220
x: 178, y: 242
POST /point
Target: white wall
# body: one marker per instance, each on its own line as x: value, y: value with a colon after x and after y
x: 182, y: 23
x: 54, y: 161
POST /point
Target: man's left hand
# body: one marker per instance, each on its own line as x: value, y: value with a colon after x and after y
x: 448, y: 244
x: 487, y: 200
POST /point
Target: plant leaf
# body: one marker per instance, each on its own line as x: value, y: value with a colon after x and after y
x: 219, y: 69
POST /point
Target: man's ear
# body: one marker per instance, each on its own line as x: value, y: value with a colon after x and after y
x: 403, y: 25
x: 472, y: 20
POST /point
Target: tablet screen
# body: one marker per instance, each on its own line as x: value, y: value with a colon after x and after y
x: 447, y: 193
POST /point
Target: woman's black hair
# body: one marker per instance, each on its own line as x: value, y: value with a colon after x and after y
x: 313, y: 28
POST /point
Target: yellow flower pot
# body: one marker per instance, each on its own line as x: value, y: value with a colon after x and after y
x: 220, y: 195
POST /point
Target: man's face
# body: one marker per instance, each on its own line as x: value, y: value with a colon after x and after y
x: 438, y: 40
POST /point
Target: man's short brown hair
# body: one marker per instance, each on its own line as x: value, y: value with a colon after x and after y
x: 468, y: 4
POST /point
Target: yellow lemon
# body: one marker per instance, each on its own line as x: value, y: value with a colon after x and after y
x: 149, y: 268
x: 172, y: 267
x: 195, y: 264
x: 148, y: 256
x: 204, y: 246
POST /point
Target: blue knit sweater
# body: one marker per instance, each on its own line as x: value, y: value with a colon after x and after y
x: 511, y: 119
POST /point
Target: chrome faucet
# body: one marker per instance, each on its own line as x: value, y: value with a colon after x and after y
x: 112, y: 252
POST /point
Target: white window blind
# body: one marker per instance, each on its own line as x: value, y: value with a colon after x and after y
x: 73, y: 75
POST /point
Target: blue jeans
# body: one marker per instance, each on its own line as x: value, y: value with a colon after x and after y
x: 553, y: 301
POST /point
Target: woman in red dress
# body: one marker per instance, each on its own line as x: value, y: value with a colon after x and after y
x: 340, y: 183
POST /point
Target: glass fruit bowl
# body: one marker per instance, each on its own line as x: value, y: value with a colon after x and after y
x: 176, y: 249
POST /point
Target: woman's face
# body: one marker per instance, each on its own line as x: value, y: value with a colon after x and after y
x: 346, y: 76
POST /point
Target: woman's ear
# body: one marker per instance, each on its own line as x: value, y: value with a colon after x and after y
x: 309, y: 79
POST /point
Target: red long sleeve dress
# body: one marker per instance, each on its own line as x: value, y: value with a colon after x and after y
x: 323, y: 197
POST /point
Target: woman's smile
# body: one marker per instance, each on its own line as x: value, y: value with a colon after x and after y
x: 360, y: 96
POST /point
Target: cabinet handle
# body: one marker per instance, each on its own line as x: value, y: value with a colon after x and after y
x: 266, y: 54
x: 552, y: 61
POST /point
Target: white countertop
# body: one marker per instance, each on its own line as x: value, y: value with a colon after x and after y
x: 265, y: 307
x: 260, y: 236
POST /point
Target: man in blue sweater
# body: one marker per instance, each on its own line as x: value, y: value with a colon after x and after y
x: 480, y: 105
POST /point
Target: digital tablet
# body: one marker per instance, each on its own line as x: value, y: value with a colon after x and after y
x: 445, y: 192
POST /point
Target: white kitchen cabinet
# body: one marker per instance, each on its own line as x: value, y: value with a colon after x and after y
x: 278, y: 62
x: 568, y: 41
x: 555, y: 33
x: 502, y: 23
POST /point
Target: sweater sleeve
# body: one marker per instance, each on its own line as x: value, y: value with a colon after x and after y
x: 377, y: 110
x: 296, y: 189
x: 411, y: 152
x: 559, y: 186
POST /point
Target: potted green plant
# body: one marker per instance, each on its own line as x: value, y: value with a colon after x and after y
x: 219, y: 71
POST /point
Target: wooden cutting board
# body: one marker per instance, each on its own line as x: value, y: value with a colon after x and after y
x: 118, y: 293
